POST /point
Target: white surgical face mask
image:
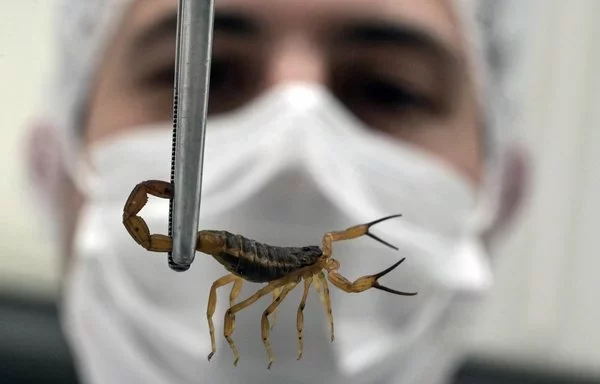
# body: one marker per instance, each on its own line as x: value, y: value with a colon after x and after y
x: 284, y: 170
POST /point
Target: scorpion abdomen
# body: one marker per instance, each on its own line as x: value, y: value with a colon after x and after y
x: 259, y: 262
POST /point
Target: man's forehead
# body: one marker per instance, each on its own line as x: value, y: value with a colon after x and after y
x: 147, y: 12
x: 435, y: 16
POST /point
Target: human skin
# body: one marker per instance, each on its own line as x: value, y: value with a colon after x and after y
x: 399, y: 65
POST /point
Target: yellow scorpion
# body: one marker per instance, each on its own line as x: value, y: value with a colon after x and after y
x: 282, y: 268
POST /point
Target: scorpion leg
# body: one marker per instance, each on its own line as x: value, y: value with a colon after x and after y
x: 276, y: 293
x: 323, y: 290
x: 235, y: 292
x: 135, y: 225
x: 212, y: 306
x: 230, y: 314
x: 264, y: 323
x: 353, y: 233
x: 362, y: 283
x: 319, y: 290
x: 300, y: 316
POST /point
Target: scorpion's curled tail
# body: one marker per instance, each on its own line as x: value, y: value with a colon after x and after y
x: 135, y: 225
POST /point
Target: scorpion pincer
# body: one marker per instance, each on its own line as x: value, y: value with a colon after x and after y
x: 281, y: 268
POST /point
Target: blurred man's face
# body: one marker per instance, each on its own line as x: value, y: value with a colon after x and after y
x: 398, y: 65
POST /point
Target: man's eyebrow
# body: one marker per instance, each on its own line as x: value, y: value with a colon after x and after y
x: 388, y: 33
x: 235, y: 24
x: 166, y: 27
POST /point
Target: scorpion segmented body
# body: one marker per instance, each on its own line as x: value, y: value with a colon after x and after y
x: 261, y: 263
x: 281, y: 268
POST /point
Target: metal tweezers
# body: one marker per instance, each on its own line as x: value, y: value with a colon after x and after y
x: 192, y: 72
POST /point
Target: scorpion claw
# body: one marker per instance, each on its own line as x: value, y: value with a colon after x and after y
x: 376, y: 285
x: 383, y: 288
x: 372, y: 236
x: 372, y: 223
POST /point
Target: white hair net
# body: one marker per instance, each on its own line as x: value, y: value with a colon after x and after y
x: 83, y: 30
x: 492, y: 28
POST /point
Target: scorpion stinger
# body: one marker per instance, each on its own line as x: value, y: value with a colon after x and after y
x: 372, y: 236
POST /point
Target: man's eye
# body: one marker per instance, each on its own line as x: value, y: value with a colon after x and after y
x: 233, y: 82
x: 223, y: 76
x: 381, y: 96
x: 384, y: 102
x: 162, y: 78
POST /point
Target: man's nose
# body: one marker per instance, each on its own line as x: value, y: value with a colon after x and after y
x: 296, y: 60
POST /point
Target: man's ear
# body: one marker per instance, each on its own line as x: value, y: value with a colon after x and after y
x: 515, y: 184
x: 43, y: 162
x: 52, y: 188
